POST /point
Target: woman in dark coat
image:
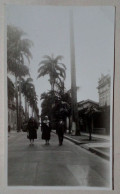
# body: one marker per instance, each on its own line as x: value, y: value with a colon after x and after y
x: 32, y: 130
x: 45, y: 128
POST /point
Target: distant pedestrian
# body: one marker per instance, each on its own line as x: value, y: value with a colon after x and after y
x: 60, y: 131
x: 46, y: 129
x: 32, y: 130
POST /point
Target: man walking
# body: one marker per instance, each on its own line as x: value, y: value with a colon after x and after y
x: 60, y: 131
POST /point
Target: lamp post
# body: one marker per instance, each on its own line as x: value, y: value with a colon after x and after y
x: 75, y: 120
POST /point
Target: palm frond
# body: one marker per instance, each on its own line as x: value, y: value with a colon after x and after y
x: 62, y: 65
x: 43, y: 72
x: 44, y: 62
x: 58, y: 58
x: 18, y: 48
x: 60, y: 69
x: 47, y: 57
x: 28, y: 80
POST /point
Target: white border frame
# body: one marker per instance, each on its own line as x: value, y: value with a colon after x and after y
x: 3, y: 97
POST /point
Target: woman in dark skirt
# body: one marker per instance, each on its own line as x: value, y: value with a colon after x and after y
x: 32, y: 130
x: 45, y: 128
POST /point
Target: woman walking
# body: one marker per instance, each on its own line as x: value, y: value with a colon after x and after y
x: 45, y: 128
x: 32, y: 130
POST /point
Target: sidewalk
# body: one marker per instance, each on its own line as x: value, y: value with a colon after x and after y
x: 100, y: 144
x: 105, y: 137
x: 13, y: 133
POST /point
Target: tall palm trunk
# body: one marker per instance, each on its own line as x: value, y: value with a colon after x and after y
x: 26, y: 114
x: 17, y: 108
x: 19, y: 127
x: 28, y: 109
x: 53, y: 102
x: 52, y: 84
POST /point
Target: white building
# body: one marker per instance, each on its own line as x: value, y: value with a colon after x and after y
x: 104, y: 84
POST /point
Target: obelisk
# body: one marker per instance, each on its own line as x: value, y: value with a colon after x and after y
x: 75, y: 120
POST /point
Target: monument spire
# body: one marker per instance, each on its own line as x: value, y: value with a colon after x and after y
x: 75, y: 120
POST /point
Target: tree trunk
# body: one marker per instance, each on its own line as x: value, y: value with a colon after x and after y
x: 92, y: 123
x: 19, y: 128
x: 17, y: 108
x: 53, y: 102
x: 90, y: 129
x: 28, y: 109
x: 26, y: 114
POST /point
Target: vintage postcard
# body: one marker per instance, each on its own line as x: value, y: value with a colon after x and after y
x: 60, y: 73
x: 60, y: 90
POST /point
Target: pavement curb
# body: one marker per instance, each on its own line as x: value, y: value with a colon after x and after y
x: 73, y: 140
x: 100, y: 153
x: 95, y: 137
x: 93, y: 150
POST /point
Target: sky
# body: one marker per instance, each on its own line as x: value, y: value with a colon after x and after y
x: 48, y: 28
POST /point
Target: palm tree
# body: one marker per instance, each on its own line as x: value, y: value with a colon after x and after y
x: 46, y: 104
x: 52, y: 67
x: 25, y: 86
x: 89, y: 113
x: 62, y: 104
x: 11, y: 89
x: 32, y: 98
x: 33, y: 103
x: 55, y: 69
x: 18, y: 50
x: 59, y: 84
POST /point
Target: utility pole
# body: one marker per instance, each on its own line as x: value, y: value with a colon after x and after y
x: 75, y: 119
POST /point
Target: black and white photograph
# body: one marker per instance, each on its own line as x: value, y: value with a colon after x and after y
x: 60, y: 70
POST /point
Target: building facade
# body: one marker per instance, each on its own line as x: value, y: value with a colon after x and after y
x: 93, y: 116
x: 12, y: 118
x: 104, y: 84
x: 90, y: 117
x: 86, y: 104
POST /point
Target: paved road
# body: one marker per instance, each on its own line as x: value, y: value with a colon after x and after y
x: 53, y: 165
